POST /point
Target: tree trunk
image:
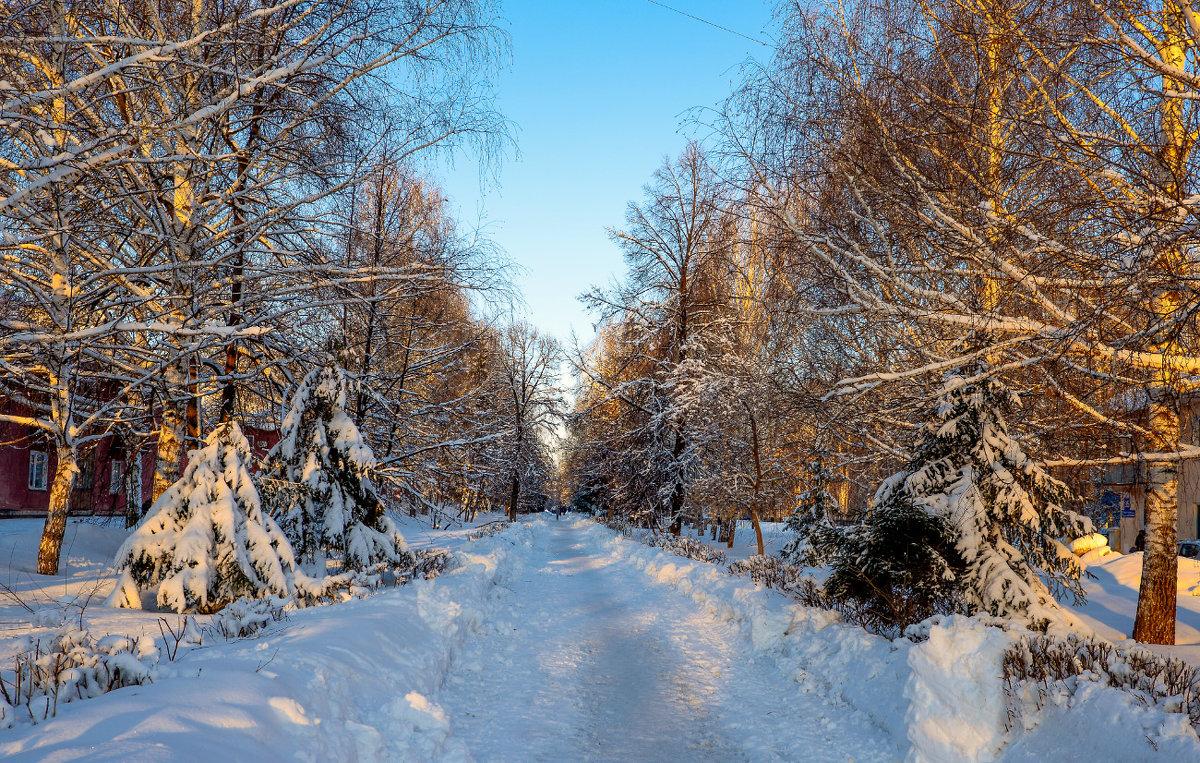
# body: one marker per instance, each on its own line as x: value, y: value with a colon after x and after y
x: 56, y: 515
x: 757, y: 446
x: 512, y: 500
x: 1155, y: 620
x: 133, y: 489
x: 757, y: 525
x: 169, y: 451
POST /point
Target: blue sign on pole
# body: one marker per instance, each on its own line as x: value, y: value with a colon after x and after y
x: 1127, y: 511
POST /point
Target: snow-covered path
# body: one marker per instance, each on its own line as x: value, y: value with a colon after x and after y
x: 596, y: 661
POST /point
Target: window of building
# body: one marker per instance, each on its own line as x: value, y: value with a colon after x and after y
x: 87, y: 475
x: 118, y: 471
x: 37, y: 470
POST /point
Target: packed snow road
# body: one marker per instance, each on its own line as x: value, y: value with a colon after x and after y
x: 553, y: 641
x: 597, y: 661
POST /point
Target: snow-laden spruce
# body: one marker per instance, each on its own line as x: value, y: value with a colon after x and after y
x: 207, y: 540
x: 319, y: 485
x: 1005, y: 513
x: 815, y: 508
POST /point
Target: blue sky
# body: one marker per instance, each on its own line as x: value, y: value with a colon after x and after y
x: 597, y: 91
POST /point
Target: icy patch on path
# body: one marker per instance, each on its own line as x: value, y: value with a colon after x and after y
x: 585, y: 659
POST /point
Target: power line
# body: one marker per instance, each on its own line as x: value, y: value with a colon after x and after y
x: 710, y: 23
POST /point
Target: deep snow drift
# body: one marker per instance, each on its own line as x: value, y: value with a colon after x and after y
x: 553, y: 641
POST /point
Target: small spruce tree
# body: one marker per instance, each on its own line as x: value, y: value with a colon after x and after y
x: 207, y: 540
x: 811, y: 522
x: 1005, y: 513
x: 901, y: 566
x: 319, y: 484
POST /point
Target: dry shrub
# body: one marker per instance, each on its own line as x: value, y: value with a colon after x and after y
x: 1037, y: 667
x: 247, y: 617
x: 690, y: 548
x: 770, y: 572
x: 70, y: 666
x: 426, y: 563
x: 488, y: 530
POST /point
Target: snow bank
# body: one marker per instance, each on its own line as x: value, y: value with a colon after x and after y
x: 956, y: 702
x: 341, y: 682
x: 1112, y: 593
x: 820, y: 652
x: 1115, y: 727
x: 943, y: 696
x: 1092, y: 549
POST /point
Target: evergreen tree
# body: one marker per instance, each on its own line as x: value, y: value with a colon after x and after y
x: 811, y: 521
x: 902, y: 566
x: 1006, y: 514
x: 319, y: 481
x: 207, y: 541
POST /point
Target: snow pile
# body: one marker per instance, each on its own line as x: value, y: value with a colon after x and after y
x: 206, y: 541
x: 812, y: 645
x: 956, y: 701
x: 945, y: 693
x: 351, y: 682
x: 1091, y: 548
x: 72, y: 665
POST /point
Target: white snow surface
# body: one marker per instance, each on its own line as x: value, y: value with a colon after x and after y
x: 554, y: 641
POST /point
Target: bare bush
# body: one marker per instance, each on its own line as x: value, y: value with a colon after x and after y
x: 247, y: 617
x: 488, y: 530
x: 425, y: 564
x: 771, y: 572
x: 70, y: 666
x: 430, y: 563
x: 1036, y: 667
x: 686, y: 547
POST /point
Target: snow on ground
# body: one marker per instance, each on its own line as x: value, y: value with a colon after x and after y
x: 1112, y: 602
x: 745, y: 543
x: 554, y: 640
x: 595, y: 660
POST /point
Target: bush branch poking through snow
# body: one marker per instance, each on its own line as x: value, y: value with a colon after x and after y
x: 206, y: 541
x: 247, y: 617
x: 72, y: 666
x: 488, y: 530
x: 318, y: 482
x: 1038, y: 667
x: 681, y: 545
x: 426, y: 564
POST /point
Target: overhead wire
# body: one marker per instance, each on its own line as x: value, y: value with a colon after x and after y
x: 710, y: 23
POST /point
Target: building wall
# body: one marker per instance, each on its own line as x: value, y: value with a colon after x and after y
x: 1136, y: 497
x: 15, y: 494
x: 1189, y: 498
x: 17, y: 499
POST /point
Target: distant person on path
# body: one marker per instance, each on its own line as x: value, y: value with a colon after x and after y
x: 1139, y: 543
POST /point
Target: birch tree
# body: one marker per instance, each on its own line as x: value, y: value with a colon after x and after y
x: 529, y: 408
x: 670, y: 245
x: 1060, y: 258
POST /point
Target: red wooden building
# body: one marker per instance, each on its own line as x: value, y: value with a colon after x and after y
x: 104, y: 485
